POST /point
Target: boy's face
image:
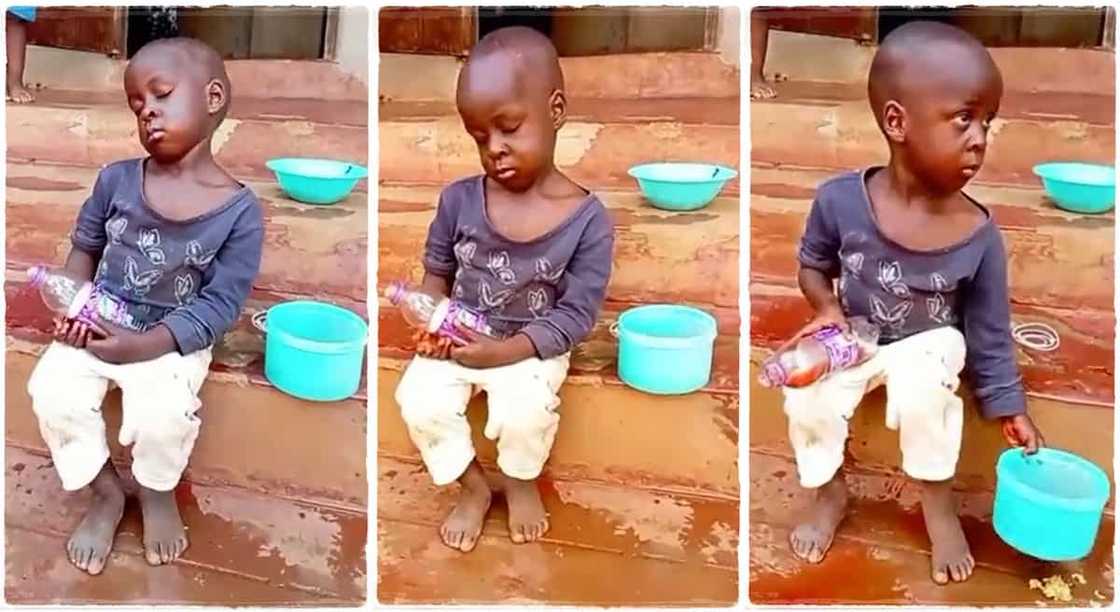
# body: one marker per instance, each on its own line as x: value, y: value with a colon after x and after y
x: 949, y: 117
x: 169, y: 98
x: 510, y: 118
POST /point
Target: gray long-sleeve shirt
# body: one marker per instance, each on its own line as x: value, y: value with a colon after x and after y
x: 550, y: 288
x: 907, y: 292
x: 192, y: 276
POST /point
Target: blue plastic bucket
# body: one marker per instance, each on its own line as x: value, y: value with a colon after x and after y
x: 313, y: 350
x: 1049, y: 505
x: 665, y: 349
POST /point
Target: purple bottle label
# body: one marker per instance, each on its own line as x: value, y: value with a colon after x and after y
x: 102, y: 306
x: 459, y: 316
x: 843, y: 352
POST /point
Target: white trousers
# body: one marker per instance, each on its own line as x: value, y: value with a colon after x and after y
x: 921, y: 373
x: 433, y: 396
x: 160, y: 399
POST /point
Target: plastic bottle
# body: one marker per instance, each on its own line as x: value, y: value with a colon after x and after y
x: 821, y: 353
x: 77, y: 299
x: 437, y: 315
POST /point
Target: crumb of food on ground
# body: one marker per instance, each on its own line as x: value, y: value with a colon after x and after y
x: 1078, y: 578
x: 780, y: 77
x: 1055, y: 588
x: 1094, y: 604
x: 1099, y: 595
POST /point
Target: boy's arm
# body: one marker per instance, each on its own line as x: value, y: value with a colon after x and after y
x: 225, y: 287
x: 819, y: 257
x: 582, y: 291
x: 990, y: 355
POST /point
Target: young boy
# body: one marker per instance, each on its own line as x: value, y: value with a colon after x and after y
x: 178, y: 241
x: 531, y: 249
x: 926, y: 263
x: 15, y: 25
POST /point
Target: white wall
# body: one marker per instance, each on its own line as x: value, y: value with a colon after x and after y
x: 727, y: 36
x: 352, y: 45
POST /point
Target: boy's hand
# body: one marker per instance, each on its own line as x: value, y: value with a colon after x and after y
x: 72, y: 332
x: 827, y: 316
x: 1019, y: 430
x: 431, y: 345
x: 485, y: 352
x: 120, y: 345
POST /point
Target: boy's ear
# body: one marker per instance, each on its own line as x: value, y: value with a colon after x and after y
x: 217, y: 96
x: 558, y: 108
x: 895, y: 121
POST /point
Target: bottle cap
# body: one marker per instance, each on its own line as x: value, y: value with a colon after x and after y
x: 395, y: 291
x: 36, y: 275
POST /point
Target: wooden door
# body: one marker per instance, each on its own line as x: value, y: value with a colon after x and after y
x: 429, y: 30
x: 89, y: 28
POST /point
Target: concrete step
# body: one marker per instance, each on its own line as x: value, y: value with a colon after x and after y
x: 659, y: 256
x: 65, y: 69
x: 1080, y: 370
x: 236, y: 399
x: 596, y: 147
x: 311, y: 250
x: 1080, y: 428
x: 245, y: 548
x: 812, y: 57
x: 700, y: 431
x: 830, y: 126
x: 883, y: 541
x: 100, y: 128
x: 663, y: 548
x: 1055, y: 259
x: 632, y: 75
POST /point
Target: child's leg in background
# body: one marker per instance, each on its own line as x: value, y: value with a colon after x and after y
x: 66, y: 394
x: 433, y: 396
x: 523, y: 418
x: 160, y: 402
x: 16, y: 20
x: 922, y: 379
x: 818, y: 431
x: 760, y: 37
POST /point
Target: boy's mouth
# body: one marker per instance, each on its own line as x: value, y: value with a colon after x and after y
x: 504, y: 173
x: 156, y: 135
x: 970, y: 171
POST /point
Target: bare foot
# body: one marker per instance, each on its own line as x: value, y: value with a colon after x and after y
x: 463, y: 525
x: 90, y: 544
x: 165, y: 539
x: 812, y: 538
x: 19, y: 94
x: 528, y: 520
x: 952, y: 559
x: 760, y: 89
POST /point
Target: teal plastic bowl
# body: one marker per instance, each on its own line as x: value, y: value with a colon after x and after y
x: 1049, y: 505
x: 314, y: 351
x: 665, y: 349
x: 316, y: 181
x: 1080, y: 188
x: 681, y: 186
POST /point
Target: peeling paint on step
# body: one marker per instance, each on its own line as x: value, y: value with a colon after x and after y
x: 223, y: 134
x: 651, y: 517
x: 574, y: 140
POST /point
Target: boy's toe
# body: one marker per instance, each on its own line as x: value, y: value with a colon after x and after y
x: 96, y: 565
x: 151, y: 554
x: 940, y: 575
x: 468, y: 543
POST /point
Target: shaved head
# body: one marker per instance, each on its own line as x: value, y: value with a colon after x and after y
x: 522, y: 55
x: 922, y: 57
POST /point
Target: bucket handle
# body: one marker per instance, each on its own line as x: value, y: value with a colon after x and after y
x: 259, y: 321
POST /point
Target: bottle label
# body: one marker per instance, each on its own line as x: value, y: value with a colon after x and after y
x: 101, y: 306
x: 459, y: 316
x: 842, y: 351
